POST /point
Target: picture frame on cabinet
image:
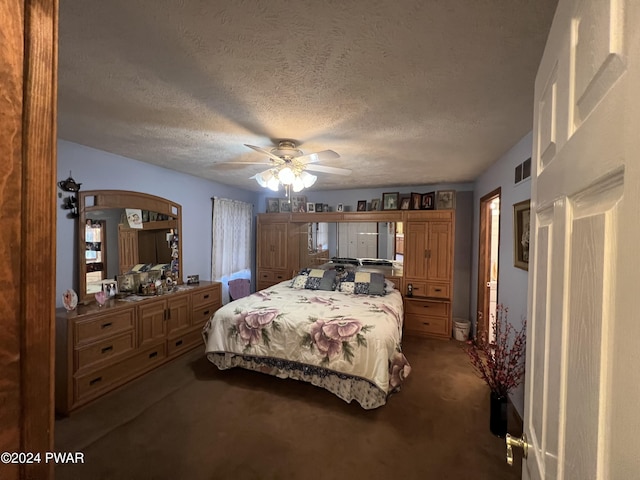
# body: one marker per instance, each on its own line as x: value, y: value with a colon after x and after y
x: 375, y: 204
x: 298, y: 203
x: 311, y: 207
x: 446, y: 199
x: 362, y: 205
x: 390, y: 200
x: 340, y: 207
x: 521, y: 219
x: 405, y: 202
x: 428, y: 201
x: 319, y: 207
x: 416, y: 201
x: 285, y: 205
x: 273, y: 205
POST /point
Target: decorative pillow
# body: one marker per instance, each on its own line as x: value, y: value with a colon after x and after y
x: 314, y: 279
x: 362, y: 283
x: 389, y: 286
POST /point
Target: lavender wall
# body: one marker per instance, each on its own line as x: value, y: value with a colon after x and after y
x: 98, y: 170
x: 512, y: 282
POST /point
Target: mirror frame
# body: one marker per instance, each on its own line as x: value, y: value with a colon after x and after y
x: 107, y: 199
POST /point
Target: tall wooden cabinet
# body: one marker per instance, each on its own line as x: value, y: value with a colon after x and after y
x: 428, y: 268
x: 277, y: 249
x: 100, y: 348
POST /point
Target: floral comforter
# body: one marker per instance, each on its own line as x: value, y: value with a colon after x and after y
x: 348, y: 344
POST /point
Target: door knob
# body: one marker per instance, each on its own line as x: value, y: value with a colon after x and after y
x: 516, y: 442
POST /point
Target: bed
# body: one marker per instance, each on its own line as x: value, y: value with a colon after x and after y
x: 344, y: 341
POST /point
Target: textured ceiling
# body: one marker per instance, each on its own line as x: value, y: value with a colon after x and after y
x: 407, y: 92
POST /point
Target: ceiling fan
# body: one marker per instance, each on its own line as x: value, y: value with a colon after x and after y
x: 289, y: 166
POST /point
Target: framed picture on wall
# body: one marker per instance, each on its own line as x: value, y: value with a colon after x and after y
x: 521, y: 216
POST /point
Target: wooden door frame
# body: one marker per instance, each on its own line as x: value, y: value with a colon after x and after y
x: 484, y: 263
x: 28, y: 63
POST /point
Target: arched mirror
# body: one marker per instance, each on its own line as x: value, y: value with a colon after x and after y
x: 119, y: 231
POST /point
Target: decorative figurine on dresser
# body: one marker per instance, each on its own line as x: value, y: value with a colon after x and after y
x: 132, y: 312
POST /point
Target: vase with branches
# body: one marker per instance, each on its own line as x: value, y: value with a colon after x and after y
x: 500, y: 364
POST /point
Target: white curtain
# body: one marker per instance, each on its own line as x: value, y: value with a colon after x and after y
x: 231, y: 242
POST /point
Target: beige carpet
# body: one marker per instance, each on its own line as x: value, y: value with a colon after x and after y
x: 189, y: 420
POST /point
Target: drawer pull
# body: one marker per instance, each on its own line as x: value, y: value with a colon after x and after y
x: 438, y: 289
x: 106, y: 325
x: 107, y: 349
x: 153, y: 354
x: 426, y: 323
x: 206, y: 296
x: 178, y: 343
x: 426, y: 306
x: 205, y: 313
x: 95, y: 380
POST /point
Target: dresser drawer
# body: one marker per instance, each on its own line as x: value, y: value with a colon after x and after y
x: 202, y: 314
x: 107, y: 349
x: 185, y: 342
x: 415, y: 306
x: 93, y: 384
x: 419, y: 289
x: 272, y: 276
x: 104, y: 326
x: 424, y: 324
x: 205, y: 297
x: 438, y: 290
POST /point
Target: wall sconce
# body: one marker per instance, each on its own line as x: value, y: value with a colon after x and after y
x: 70, y: 202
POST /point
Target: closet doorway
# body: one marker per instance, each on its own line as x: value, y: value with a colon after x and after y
x: 488, y: 264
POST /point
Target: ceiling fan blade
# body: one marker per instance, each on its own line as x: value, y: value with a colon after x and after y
x: 325, y: 169
x: 318, y: 156
x: 266, y: 152
x: 243, y: 163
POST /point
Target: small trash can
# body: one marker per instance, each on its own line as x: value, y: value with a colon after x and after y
x: 461, y: 329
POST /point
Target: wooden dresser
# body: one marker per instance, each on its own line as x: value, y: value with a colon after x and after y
x: 100, y: 348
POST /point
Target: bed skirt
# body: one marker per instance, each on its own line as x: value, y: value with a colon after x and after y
x: 346, y: 387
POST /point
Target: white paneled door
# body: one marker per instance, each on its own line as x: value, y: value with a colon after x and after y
x: 582, y: 394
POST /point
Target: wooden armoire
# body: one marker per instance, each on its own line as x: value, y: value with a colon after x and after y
x: 282, y: 250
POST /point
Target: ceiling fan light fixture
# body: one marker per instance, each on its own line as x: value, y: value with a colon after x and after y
x: 298, y: 184
x: 263, y: 177
x: 308, y: 179
x: 273, y: 183
x: 286, y: 176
